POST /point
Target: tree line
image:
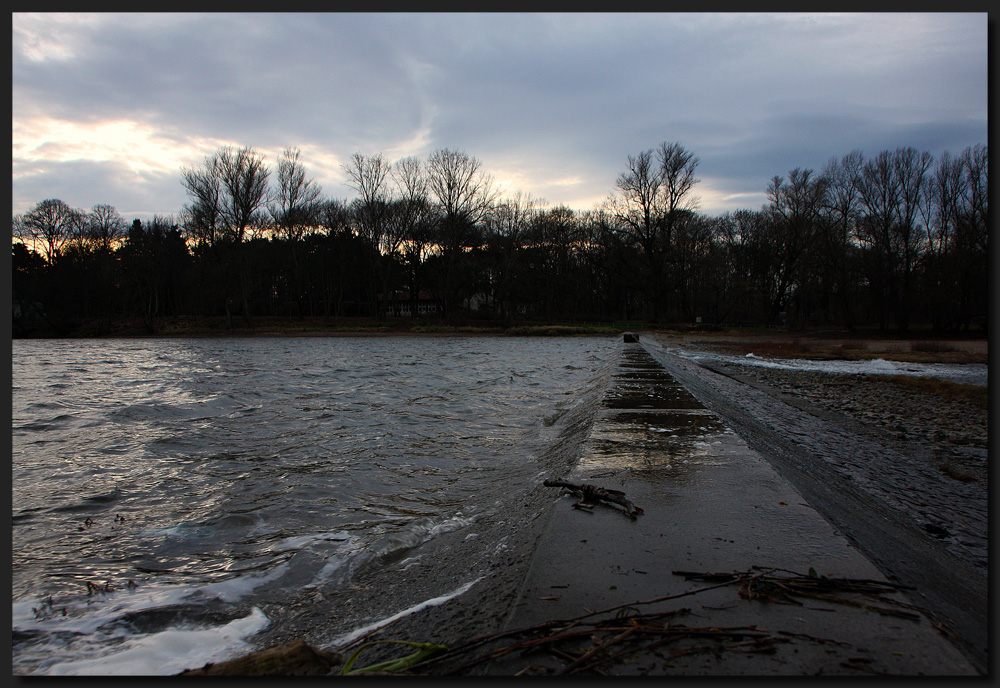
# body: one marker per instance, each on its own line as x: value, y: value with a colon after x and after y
x: 893, y: 241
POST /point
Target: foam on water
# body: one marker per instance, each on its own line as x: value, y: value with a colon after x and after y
x: 230, y: 478
x: 303, y: 541
x: 433, y: 602
x: 106, y: 608
x: 110, y: 645
x: 969, y: 373
x: 169, y: 652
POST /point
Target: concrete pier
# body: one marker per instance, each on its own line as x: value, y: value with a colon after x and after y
x: 711, y: 504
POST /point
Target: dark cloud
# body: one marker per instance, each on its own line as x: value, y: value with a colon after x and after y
x: 555, y: 96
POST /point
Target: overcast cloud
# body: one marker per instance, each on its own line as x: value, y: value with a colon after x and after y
x: 107, y: 108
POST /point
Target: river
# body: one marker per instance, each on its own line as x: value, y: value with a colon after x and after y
x: 174, y: 498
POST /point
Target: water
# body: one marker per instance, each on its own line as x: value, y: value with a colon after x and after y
x: 966, y: 373
x: 171, y: 499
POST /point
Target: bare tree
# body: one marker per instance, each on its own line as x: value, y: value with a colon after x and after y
x: 975, y: 163
x: 512, y: 216
x: 741, y: 283
x: 334, y: 217
x: 244, y: 176
x: 410, y: 177
x: 795, y: 209
x: 651, y: 204
x: 957, y: 236
x: 228, y: 194
x: 295, y: 204
x: 912, y: 170
x: 105, y: 226
x: 557, y: 232
x: 368, y: 174
x: 464, y: 194
x: 682, y: 233
x: 841, y: 214
x: 202, y: 218
x: 892, y: 187
x: 677, y: 167
x: 637, y: 206
x: 414, y: 213
x: 507, y: 228
x: 53, y: 224
x: 412, y: 220
x: 335, y: 221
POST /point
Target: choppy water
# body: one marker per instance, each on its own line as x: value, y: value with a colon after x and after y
x: 165, y: 493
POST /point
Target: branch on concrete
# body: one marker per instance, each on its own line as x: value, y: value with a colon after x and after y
x: 592, y: 494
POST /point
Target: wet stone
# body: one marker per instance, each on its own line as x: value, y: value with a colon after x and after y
x: 649, y: 421
x: 657, y: 375
x: 660, y: 400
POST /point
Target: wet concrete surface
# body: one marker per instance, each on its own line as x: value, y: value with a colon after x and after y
x: 711, y: 504
x: 879, y: 497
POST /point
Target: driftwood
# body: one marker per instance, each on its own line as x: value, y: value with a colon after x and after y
x: 292, y: 659
x: 784, y: 589
x: 592, y: 494
x: 598, y: 640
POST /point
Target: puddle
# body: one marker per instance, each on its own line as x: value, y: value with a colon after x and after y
x: 674, y: 421
x: 658, y: 375
x: 649, y: 422
x: 650, y: 397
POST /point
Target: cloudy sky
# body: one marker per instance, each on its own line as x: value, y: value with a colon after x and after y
x: 108, y: 108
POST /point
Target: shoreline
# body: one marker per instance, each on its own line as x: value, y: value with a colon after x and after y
x: 820, y: 344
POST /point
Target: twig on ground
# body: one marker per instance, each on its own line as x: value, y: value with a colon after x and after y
x: 592, y: 494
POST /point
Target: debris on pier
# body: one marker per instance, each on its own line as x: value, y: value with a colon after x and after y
x: 592, y: 494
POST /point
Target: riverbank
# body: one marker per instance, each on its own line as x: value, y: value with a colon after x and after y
x: 919, y: 346
x: 276, y: 326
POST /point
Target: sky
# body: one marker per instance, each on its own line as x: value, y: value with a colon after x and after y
x: 108, y: 108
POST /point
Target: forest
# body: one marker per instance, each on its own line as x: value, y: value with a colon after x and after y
x: 896, y: 242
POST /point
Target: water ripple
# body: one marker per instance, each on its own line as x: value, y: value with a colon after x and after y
x: 198, y: 463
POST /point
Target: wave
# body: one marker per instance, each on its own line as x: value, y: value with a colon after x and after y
x: 967, y: 373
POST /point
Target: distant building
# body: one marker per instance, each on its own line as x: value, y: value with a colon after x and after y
x: 399, y: 304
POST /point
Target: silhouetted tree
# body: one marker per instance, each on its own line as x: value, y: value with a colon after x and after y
x: 51, y: 224
x: 244, y: 176
x: 415, y: 218
x: 295, y: 204
x: 295, y: 208
x: 368, y: 175
x: 838, y: 228
x: 464, y: 193
x: 202, y: 218
x: 893, y: 239
x: 155, y: 259
x: 506, y: 233
x: 104, y: 226
x: 955, y: 264
x: 891, y: 189
x: 653, y: 201
x: 794, y: 211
